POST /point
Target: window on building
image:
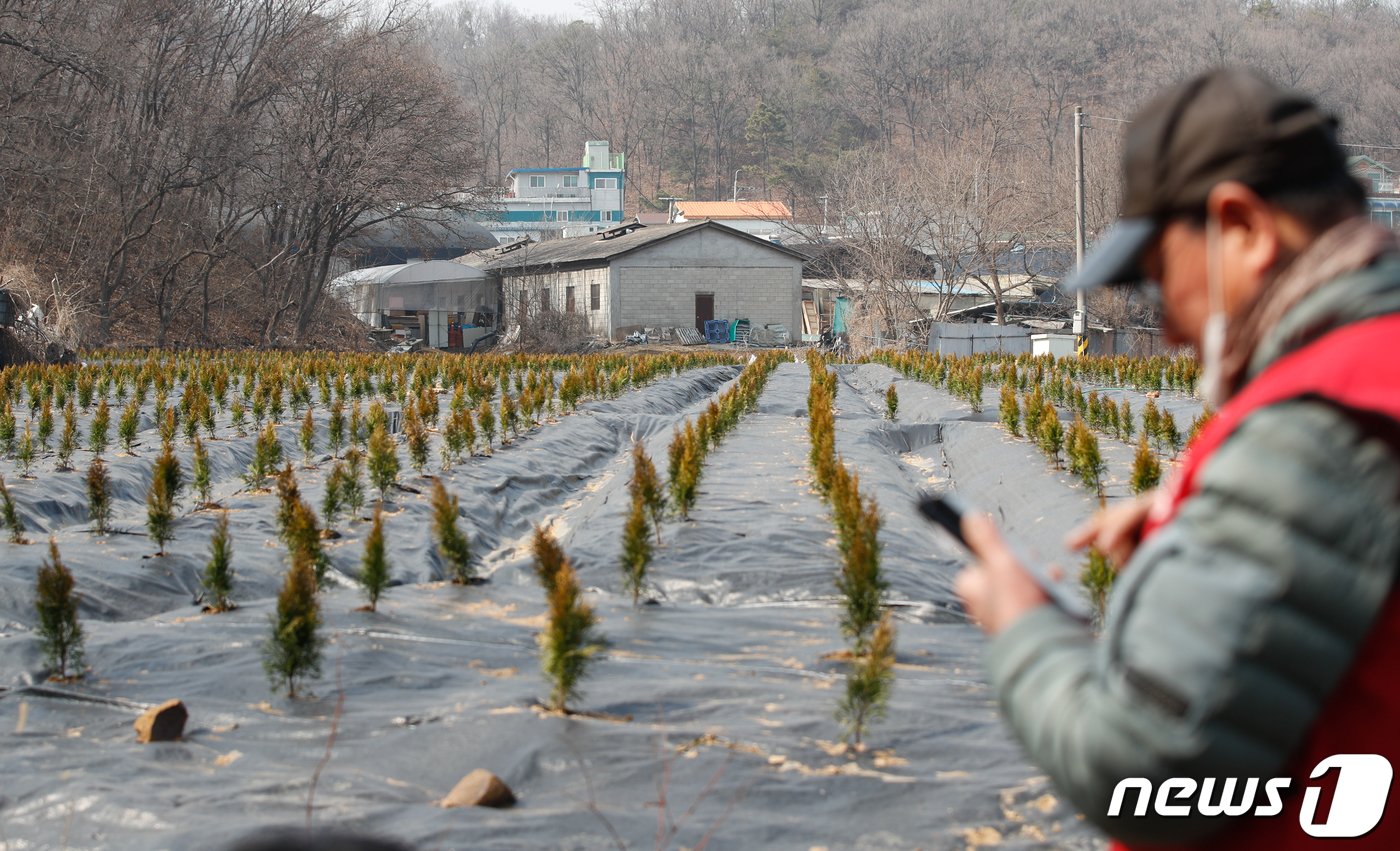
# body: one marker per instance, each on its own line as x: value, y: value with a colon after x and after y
x: 605, y: 183
x: 536, y: 181
x: 609, y: 215
x: 563, y: 215
x: 571, y: 180
x: 569, y: 300
x: 595, y: 297
x: 544, y: 299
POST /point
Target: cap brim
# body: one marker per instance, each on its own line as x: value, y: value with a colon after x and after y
x: 1116, y: 257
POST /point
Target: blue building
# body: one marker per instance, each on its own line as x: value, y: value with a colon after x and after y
x: 549, y: 203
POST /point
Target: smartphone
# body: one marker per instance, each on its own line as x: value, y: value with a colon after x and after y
x: 946, y: 510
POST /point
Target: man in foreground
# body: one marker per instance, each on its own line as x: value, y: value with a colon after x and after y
x: 1252, y: 632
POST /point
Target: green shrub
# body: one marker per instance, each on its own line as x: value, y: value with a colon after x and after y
x: 68, y: 439
x: 292, y: 652
x: 1147, y: 472
x: 169, y: 422
x: 1152, y: 421
x: 416, y: 437
x: 374, y: 566
x: 383, y: 461
x: 570, y: 639
x: 98, y: 430
x: 203, y: 477
x: 306, y: 438
x: 685, y: 487
x: 549, y: 557
x: 45, y: 424
x: 10, y: 514
x: 1085, y: 460
x: 127, y: 425
x: 869, y: 683
x: 288, y: 495
x: 860, y: 582
x: 647, y: 487
x: 352, y: 489
x: 24, y: 454
x: 333, y: 500
x: 218, y: 571
x: 99, y: 486
x: 335, y: 428
x: 510, y: 417
x: 1199, y: 423
x: 160, y: 511
x: 1051, y: 435
x: 60, y: 633
x: 452, y: 545
x: 7, y: 429
x: 1096, y: 577
x: 167, y: 467
x: 267, y: 457
x: 486, y: 423
x: 636, y: 548
x: 303, y: 537
x: 1010, y: 410
x: 238, y: 418
x: 891, y: 402
x: 1034, y: 405
x: 1168, y: 434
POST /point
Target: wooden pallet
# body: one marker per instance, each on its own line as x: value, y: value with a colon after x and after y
x: 689, y: 337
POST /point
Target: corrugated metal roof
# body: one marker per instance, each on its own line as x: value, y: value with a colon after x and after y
x: 425, y: 272
x: 564, y: 170
x: 765, y: 210
x: 594, y: 250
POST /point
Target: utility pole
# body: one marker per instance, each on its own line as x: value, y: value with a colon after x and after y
x: 735, y: 195
x: 824, y: 199
x: 1079, y: 313
x: 671, y: 207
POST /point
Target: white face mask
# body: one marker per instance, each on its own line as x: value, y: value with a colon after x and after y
x: 1212, y: 380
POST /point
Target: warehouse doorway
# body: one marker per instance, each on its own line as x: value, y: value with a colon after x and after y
x: 704, y: 310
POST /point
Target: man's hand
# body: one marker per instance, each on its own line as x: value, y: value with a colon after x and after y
x: 997, y: 590
x: 1115, y: 531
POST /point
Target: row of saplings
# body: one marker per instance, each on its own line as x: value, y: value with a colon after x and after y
x: 1146, y: 374
x: 292, y: 652
x: 367, y: 437
x: 1045, y: 383
x: 213, y: 386
x: 865, y: 620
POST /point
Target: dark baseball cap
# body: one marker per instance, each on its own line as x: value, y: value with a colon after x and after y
x: 1228, y: 124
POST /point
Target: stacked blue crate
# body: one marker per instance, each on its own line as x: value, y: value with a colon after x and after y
x: 716, y: 330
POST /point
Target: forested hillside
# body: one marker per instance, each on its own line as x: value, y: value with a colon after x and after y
x: 181, y: 172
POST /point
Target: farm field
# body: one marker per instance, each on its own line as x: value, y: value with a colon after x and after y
x: 709, y: 718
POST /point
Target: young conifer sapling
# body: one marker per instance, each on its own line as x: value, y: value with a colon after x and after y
x: 451, y: 543
x: 99, y: 486
x: 218, y: 571
x: 636, y: 548
x: 57, y: 608
x: 869, y: 683
x: 374, y: 566
x: 570, y: 639
x: 292, y: 652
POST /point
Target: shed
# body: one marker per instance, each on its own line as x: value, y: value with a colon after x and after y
x: 415, y: 287
x: 661, y: 276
